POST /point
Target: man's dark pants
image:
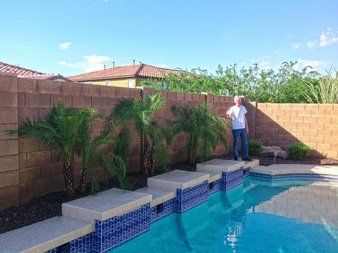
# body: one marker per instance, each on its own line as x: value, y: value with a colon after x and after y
x: 240, y: 133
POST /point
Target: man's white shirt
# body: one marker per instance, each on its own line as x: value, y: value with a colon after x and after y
x: 237, y: 114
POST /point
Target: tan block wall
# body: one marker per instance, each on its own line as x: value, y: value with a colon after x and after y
x: 316, y: 125
x: 29, y: 169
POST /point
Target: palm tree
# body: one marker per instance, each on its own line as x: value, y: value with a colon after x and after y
x: 155, y: 139
x: 61, y: 130
x: 204, y: 129
x: 92, y: 157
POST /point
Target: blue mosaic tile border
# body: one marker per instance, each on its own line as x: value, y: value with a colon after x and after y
x: 215, y: 186
x: 162, y: 210
x: 229, y: 185
x: 229, y: 176
x: 296, y: 175
x: 190, y: 197
x: 83, y: 244
x: 117, y: 230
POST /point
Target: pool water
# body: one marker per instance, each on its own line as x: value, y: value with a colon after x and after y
x: 257, y: 216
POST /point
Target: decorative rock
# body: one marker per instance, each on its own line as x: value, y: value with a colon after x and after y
x: 274, y: 151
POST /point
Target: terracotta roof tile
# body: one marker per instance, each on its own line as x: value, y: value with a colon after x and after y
x: 137, y: 70
x: 28, y: 73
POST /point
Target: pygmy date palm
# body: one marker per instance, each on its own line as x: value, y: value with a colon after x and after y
x: 155, y: 139
x: 204, y: 130
x: 61, y: 130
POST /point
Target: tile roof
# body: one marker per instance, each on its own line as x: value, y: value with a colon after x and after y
x: 137, y: 70
x: 28, y: 73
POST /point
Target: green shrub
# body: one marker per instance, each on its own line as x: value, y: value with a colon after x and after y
x: 298, y: 151
x: 255, y: 147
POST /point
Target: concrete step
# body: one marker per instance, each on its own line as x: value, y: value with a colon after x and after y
x: 219, y: 165
x: 44, y: 235
x: 158, y: 195
x: 177, y: 179
x: 105, y: 205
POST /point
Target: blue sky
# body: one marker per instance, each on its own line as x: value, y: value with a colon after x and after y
x: 71, y: 37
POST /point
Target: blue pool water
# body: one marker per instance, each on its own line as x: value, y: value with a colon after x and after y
x: 258, y: 216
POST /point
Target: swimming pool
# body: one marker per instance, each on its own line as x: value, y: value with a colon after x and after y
x: 257, y: 216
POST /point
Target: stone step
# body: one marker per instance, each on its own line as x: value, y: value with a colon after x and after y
x: 44, y: 235
x: 251, y: 164
x: 219, y: 165
x: 158, y: 195
x: 105, y: 205
x: 214, y: 176
x: 177, y: 179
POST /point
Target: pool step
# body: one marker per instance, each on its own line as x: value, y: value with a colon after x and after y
x: 105, y: 205
x: 191, y: 187
x: 158, y: 195
x: 219, y: 165
x: 45, y: 235
x: 112, y: 210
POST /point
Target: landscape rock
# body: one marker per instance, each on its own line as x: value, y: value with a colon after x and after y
x: 274, y: 151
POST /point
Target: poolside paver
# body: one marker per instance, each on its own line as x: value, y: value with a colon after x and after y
x: 105, y: 205
x: 177, y: 179
x: 44, y: 235
x: 281, y: 169
x: 158, y: 195
x: 219, y: 165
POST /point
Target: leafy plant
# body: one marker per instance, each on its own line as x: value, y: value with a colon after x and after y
x: 155, y: 138
x: 93, y: 157
x: 298, y: 151
x: 255, y: 147
x: 61, y: 129
x: 204, y: 129
x: 325, y: 91
x: 285, y: 85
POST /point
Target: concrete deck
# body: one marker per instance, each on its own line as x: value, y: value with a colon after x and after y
x: 44, y: 235
x: 158, y: 196
x: 105, y: 205
x: 282, y: 169
x: 314, y: 203
x: 177, y: 179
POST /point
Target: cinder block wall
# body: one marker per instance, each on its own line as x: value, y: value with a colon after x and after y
x: 29, y: 169
x: 313, y: 124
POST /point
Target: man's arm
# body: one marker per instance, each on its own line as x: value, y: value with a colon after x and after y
x: 246, y: 125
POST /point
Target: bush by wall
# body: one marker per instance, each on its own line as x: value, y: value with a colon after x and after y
x: 255, y: 147
x: 298, y: 151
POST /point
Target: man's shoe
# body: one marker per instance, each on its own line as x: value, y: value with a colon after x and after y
x: 247, y: 159
x: 236, y: 158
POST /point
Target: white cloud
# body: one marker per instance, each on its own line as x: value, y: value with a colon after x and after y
x: 64, y: 45
x: 327, y: 38
x: 89, y: 63
x: 296, y: 46
x: 312, y: 43
x: 314, y: 64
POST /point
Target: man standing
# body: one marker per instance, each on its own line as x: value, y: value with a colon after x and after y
x: 239, y: 128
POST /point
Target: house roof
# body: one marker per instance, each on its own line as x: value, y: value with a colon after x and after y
x: 119, y: 72
x: 28, y: 73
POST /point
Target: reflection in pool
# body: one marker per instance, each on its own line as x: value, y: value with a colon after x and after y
x: 257, y: 216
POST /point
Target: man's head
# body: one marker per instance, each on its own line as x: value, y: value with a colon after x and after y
x: 238, y: 100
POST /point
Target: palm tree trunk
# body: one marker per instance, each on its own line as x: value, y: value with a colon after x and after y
x: 83, y: 181
x: 147, y: 155
x: 67, y: 172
